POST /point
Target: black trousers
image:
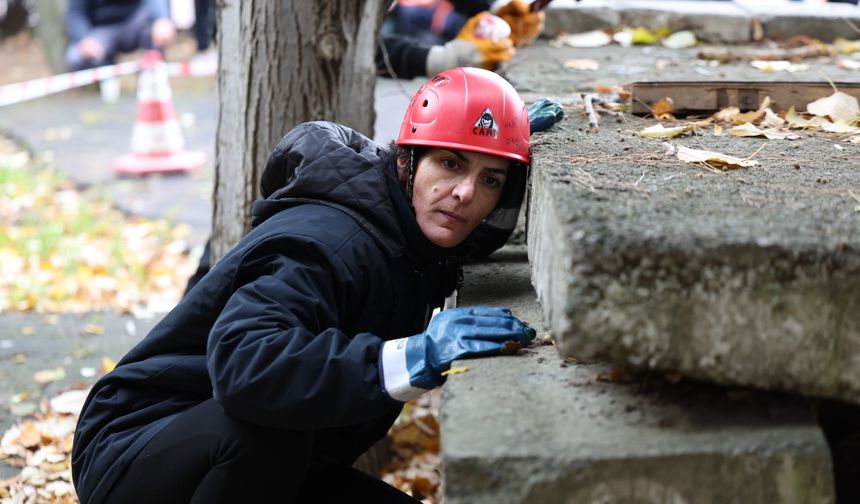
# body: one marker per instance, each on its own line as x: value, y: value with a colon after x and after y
x: 205, y: 456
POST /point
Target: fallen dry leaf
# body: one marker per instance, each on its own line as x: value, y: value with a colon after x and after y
x: 771, y: 120
x: 770, y: 66
x: 582, y: 64
x: 49, y: 375
x: 753, y: 116
x: 750, y: 130
x: 839, y: 107
x: 594, y: 38
x: 841, y: 128
x: 727, y: 114
x: 796, y: 120
x: 680, y: 40
x: 714, y: 159
x: 663, y: 107
x: 69, y: 402
x: 455, y: 370
x: 658, y: 131
x: 108, y: 364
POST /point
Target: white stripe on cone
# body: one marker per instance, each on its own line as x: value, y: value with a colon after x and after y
x: 155, y: 138
x: 153, y: 85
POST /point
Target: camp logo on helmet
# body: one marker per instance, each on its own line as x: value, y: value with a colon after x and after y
x: 486, y: 124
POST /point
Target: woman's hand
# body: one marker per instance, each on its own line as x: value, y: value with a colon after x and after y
x: 411, y: 366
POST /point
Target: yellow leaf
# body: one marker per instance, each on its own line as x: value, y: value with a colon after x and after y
x: 20, y: 358
x: 455, y: 370
x: 713, y: 158
x: 663, y: 107
x: 108, y: 364
x: 94, y: 329
x: 658, y: 131
x: 643, y: 36
x: 28, y: 330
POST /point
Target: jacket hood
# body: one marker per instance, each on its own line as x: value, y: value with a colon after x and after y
x: 327, y: 163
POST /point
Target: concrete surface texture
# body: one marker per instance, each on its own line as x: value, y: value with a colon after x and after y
x: 534, y: 428
x: 744, y: 277
x: 720, y: 22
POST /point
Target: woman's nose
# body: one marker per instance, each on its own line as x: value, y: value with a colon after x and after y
x: 464, y: 190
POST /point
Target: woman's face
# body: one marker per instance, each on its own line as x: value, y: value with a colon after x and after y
x: 454, y: 191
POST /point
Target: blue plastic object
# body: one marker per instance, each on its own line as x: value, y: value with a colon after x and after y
x: 543, y: 114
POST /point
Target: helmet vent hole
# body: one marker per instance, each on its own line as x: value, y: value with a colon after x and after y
x: 414, y: 129
x: 425, y: 103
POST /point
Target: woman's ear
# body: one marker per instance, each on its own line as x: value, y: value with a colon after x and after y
x: 402, y: 167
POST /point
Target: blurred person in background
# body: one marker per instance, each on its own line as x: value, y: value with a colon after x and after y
x: 99, y: 30
x: 425, y: 37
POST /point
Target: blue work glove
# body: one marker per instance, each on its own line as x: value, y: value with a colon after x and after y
x: 414, y: 365
x: 543, y: 114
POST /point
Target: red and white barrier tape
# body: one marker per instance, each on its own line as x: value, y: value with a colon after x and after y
x: 37, y: 88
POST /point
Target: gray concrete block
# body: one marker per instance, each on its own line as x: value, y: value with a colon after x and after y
x: 569, y: 17
x: 746, y: 277
x: 523, y: 429
x: 723, y: 22
x: 825, y: 22
x: 532, y: 428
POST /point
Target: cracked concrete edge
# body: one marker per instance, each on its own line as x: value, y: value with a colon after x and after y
x: 728, y: 321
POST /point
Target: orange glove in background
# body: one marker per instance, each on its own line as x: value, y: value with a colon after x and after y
x: 525, y: 25
x: 491, y: 36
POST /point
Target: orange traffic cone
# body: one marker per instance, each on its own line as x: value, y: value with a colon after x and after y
x: 157, y: 145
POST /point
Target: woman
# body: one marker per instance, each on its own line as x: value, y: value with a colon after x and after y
x: 288, y: 359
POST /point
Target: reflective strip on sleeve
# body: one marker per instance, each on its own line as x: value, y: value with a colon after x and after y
x: 395, y: 376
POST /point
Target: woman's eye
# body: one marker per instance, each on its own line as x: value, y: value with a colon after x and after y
x: 450, y: 164
x: 492, y: 181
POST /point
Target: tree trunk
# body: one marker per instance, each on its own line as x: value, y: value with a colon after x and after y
x: 51, y: 30
x: 283, y: 63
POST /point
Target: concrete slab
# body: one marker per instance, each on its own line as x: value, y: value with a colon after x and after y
x: 719, y: 22
x: 533, y: 428
x: 746, y: 277
x: 822, y: 21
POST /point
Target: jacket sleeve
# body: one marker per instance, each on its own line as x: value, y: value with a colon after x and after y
x: 408, y: 58
x: 78, y: 25
x: 277, y: 355
x: 471, y: 7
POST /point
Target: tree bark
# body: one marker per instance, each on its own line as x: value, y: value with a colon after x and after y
x: 283, y: 63
x: 51, y: 30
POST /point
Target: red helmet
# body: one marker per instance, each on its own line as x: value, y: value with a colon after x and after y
x: 469, y: 109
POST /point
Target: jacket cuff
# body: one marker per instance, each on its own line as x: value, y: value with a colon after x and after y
x: 394, y: 374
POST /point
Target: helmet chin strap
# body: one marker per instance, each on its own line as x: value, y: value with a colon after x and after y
x: 410, y: 175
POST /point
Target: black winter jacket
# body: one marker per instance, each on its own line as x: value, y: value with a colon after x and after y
x: 286, y: 329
